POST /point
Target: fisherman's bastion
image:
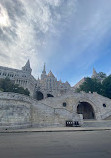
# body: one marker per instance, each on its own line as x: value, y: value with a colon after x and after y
x: 51, y: 103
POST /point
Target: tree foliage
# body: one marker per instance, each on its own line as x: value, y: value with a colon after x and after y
x: 94, y: 85
x: 102, y: 75
x: 107, y: 87
x: 6, y: 85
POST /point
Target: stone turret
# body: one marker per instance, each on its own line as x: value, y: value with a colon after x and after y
x: 27, y: 67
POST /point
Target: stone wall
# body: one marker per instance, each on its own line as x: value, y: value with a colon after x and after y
x: 72, y: 100
x: 15, y: 110
x: 18, y: 110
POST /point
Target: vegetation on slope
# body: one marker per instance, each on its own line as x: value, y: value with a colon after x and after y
x: 95, y: 85
x: 6, y: 85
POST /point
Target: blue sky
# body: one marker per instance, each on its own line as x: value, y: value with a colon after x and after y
x: 70, y: 36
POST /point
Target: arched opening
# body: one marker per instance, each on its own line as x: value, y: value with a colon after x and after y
x: 49, y: 95
x: 39, y: 95
x: 86, y: 109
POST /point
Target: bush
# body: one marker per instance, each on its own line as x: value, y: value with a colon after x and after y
x: 6, y: 85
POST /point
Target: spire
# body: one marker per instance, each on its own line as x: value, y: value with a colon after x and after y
x: 27, y: 63
x: 44, y: 66
x: 94, y: 73
x: 27, y: 67
x: 43, y: 75
x: 44, y: 71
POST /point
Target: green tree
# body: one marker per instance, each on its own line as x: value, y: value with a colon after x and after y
x: 6, y: 85
x: 92, y: 85
x: 107, y: 87
x: 102, y: 75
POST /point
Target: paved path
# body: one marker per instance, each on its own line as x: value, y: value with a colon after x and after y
x: 79, y: 144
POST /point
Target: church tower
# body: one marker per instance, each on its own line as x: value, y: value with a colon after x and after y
x: 27, y: 67
x: 43, y: 75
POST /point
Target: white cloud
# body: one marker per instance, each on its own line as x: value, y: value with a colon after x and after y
x: 4, y: 18
x: 33, y: 29
x: 57, y: 32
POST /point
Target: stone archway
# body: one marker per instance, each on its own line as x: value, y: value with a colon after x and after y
x: 86, y: 109
x: 39, y: 95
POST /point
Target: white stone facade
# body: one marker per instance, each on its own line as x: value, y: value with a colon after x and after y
x: 51, y: 102
x: 48, y: 86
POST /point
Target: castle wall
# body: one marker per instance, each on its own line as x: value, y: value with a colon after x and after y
x: 73, y: 99
x: 18, y: 110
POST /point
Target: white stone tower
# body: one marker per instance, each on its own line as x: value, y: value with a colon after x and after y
x: 27, y: 67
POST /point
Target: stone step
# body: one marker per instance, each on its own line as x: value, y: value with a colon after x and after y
x: 96, y: 123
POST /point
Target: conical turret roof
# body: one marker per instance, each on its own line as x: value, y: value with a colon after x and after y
x: 27, y: 63
x: 94, y: 73
x: 27, y: 67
